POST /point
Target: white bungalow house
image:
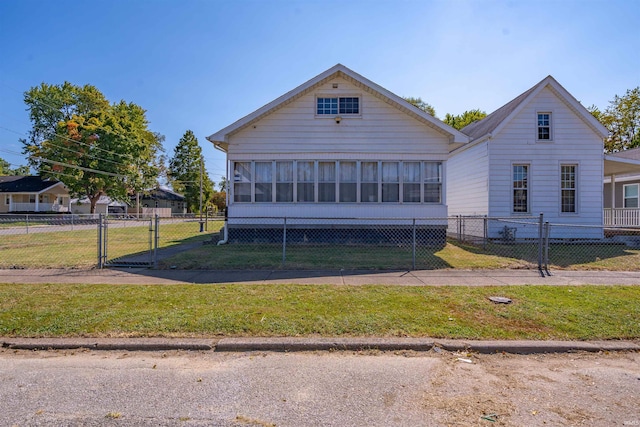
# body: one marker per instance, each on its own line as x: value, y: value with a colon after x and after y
x: 105, y: 205
x: 331, y: 154
x: 26, y: 194
x: 339, y: 146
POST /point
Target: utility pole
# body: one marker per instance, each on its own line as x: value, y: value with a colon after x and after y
x: 201, y: 170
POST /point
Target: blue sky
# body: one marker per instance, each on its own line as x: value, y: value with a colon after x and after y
x: 201, y: 65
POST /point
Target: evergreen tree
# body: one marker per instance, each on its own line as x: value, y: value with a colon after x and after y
x: 186, y: 168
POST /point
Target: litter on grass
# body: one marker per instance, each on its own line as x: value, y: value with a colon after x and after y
x: 501, y: 300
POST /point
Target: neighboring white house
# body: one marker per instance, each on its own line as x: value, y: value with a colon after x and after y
x: 339, y: 146
x: 622, y: 188
x: 104, y: 205
x: 540, y: 153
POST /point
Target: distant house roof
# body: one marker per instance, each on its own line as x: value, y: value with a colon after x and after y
x: 103, y: 200
x: 163, y: 194
x: 27, y: 184
x: 494, y: 122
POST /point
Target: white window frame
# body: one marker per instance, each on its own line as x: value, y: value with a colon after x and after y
x: 637, y: 197
x: 575, y: 188
x: 549, y: 126
x: 338, y: 113
x: 513, y: 188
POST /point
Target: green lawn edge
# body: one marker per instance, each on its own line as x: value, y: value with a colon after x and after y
x: 241, y: 310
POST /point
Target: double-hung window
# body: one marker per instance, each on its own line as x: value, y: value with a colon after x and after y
x: 390, y: 182
x: 338, y: 105
x: 242, y: 182
x: 348, y: 182
x: 264, y: 182
x: 520, y: 184
x: 544, y: 126
x: 284, y: 181
x: 568, y: 187
x: 306, y: 181
x: 411, y: 182
x: 432, y: 182
x: 326, y: 181
x: 369, y: 182
x: 631, y: 195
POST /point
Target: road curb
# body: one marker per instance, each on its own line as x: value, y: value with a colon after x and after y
x: 284, y: 344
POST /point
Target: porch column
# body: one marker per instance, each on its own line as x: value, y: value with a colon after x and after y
x: 37, y: 203
x: 613, y: 200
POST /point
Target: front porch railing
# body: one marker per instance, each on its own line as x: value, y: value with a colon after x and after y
x: 42, y: 207
x: 622, y: 216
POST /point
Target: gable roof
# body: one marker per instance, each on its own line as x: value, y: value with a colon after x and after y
x: 27, y: 184
x: 494, y: 122
x: 220, y: 139
x: 162, y: 194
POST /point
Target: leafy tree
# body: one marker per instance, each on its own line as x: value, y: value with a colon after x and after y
x: 622, y: 118
x: 424, y: 106
x: 186, y: 167
x: 94, y: 147
x: 461, y: 120
x: 219, y: 200
x: 5, y: 169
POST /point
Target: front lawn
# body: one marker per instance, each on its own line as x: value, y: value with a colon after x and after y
x: 537, y: 312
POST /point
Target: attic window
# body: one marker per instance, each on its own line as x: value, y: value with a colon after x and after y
x: 342, y: 105
x: 544, y: 126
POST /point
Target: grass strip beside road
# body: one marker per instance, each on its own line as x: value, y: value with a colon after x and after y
x: 537, y: 312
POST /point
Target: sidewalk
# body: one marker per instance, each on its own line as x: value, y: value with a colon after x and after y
x: 144, y: 276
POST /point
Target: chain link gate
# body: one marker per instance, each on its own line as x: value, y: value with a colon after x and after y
x: 126, y: 242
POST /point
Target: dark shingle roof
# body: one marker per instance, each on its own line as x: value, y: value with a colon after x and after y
x: 493, y: 120
x: 25, y: 184
x: 163, y: 194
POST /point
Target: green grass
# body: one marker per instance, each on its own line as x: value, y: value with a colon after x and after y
x: 538, y: 312
x: 79, y: 248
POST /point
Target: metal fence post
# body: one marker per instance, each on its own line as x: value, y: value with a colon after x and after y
x: 100, y: 236
x: 459, y: 224
x: 485, y: 232
x: 27, y: 221
x: 414, y: 244
x: 284, y: 241
x: 156, y: 241
x: 547, y: 232
x: 540, y: 243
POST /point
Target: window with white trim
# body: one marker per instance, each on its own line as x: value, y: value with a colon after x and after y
x: 348, y: 182
x: 390, y: 182
x: 411, y: 182
x: 284, y: 181
x: 544, y: 126
x: 520, y: 183
x: 631, y: 193
x: 432, y: 182
x: 338, y: 105
x: 242, y: 182
x: 369, y: 182
x: 7, y: 200
x: 568, y: 188
x: 306, y: 182
x: 326, y: 181
x: 342, y: 181
x: 264, y: 183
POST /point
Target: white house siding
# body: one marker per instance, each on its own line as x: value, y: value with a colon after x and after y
x: 380, y: 132
x: 573, y: 143
x: 468, y: 181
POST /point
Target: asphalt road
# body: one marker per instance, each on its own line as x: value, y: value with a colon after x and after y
x: 178, y: 388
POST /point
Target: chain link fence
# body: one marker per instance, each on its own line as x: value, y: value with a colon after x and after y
x: 89, y: 241
x: 85, y: 241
